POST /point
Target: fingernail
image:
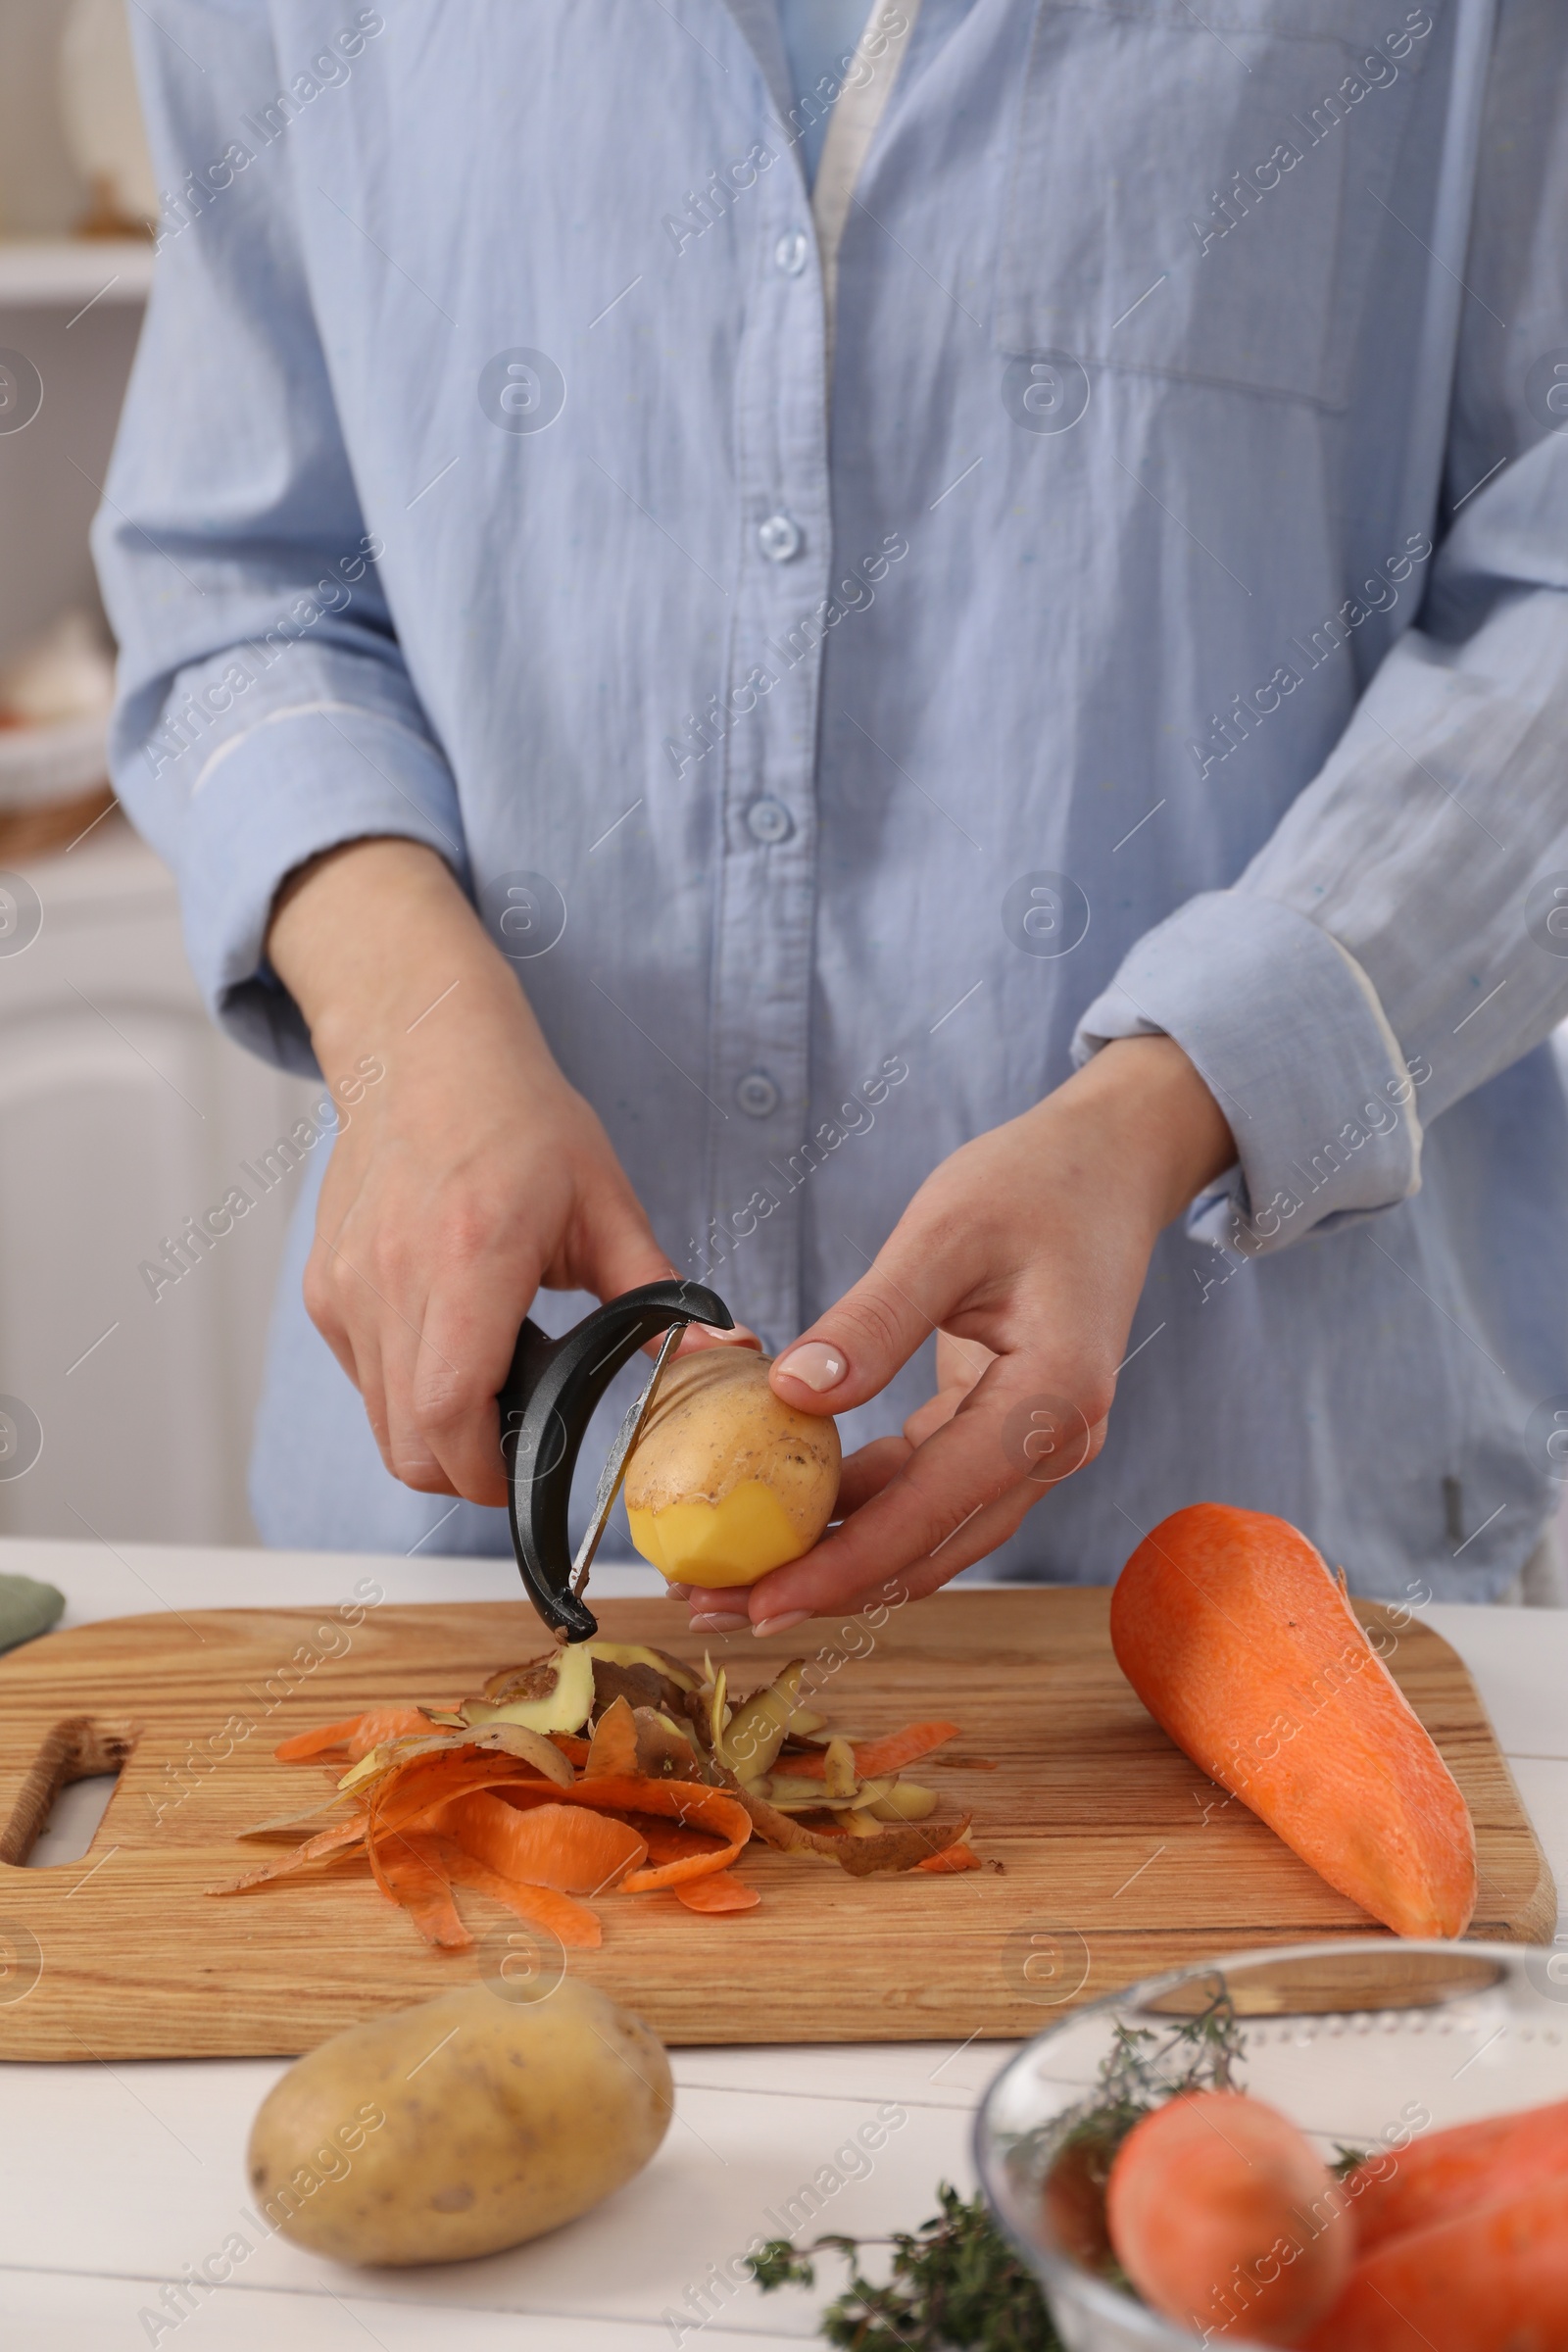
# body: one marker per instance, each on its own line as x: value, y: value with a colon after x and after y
x: 780, y: 1625
x: 719, y: 1624
x: 815, y: 1366
x: 677, y: 1592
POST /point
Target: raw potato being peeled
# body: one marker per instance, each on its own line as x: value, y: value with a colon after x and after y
x: 471, y: 2123
x: 727, y: 1480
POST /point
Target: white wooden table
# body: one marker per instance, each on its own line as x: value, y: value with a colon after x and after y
x: 116, y: 2180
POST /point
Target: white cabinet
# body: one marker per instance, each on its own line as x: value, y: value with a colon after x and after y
x: 121, y: 1110
x: 52, y: 470
x: 122, y: 1114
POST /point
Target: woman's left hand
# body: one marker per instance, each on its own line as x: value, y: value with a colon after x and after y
x: 1026, y: 1251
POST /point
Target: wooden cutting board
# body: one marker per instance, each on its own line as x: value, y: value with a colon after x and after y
x: 1117, y: 1857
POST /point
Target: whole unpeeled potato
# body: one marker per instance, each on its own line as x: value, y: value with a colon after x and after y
x: 727, y: 1480
x: 468, y: 2124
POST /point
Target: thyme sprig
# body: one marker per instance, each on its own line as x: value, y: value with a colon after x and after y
x: 953, y: 2283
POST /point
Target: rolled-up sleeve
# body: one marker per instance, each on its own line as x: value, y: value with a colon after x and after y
x: 1287, y: 1032
x: 263, y: 712
x: 1403, y: 936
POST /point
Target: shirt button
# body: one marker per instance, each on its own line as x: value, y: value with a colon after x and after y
x: 790, y: 253
x: 757, y: 1095
x: 770, y: 820
x: 779, y: 538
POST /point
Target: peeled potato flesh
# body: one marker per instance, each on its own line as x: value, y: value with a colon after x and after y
x: 727, y: 1480
x: 730, y: 1542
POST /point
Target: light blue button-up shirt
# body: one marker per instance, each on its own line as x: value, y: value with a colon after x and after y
x: 1159, y: 621
x: 820, y: 41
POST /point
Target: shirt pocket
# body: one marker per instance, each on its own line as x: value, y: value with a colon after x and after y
x: 1201, y: 197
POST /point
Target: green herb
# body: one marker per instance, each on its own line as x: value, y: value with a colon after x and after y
x: 954, y: 2282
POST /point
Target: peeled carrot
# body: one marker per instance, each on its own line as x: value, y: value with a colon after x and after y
x: 1493, y: 2280
x: 572, y: 1848
x: 1246, y: 1650
x: 1225, y: 2218
x: 1454, y: 2172
x: 355, y: 1737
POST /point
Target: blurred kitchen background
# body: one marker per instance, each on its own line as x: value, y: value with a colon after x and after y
x: 122, y: 1112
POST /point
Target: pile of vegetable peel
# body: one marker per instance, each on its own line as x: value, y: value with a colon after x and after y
x: 604, y: 1768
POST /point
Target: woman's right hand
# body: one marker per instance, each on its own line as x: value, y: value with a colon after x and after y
x: 463, y: 1181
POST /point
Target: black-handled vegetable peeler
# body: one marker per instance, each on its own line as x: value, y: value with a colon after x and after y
x: 546, y: 1405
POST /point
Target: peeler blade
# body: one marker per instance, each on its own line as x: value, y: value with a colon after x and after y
x: 614, y: 1469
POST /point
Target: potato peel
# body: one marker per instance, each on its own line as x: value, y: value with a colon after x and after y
x: 901, y: 1849
x: 436, y: 1793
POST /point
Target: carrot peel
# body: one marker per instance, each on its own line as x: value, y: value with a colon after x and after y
x: 718, y: 1894
x: 573, y: 1849
x: 572, y: 1923
x: 407, y: 1870
x: 355, y: 1737
x: 959, y: 1855
x: 873, y: 1758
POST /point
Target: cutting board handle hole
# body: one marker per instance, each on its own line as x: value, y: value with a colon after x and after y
x: 42, y: 1831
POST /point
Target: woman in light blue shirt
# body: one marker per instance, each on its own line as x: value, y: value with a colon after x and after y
x: 971, y: 741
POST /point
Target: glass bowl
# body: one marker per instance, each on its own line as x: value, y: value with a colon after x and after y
x: 1363, y: 2042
